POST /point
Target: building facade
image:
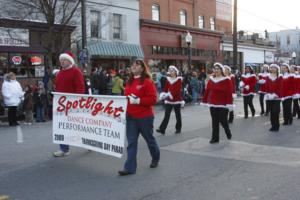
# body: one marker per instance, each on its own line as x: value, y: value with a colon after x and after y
x: 164, y: 25
x: 288, y: 41
x: 252, y: 50
x: 113, y: 35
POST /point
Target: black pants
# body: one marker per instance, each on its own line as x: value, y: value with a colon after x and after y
x: 231, y: 116
x: 219, y: 115
x: 12, y: 115
x: 274, y: 106
x: 248, y: 101
x: 296, y: 110
x: 168, y: 109
x: 287, y: 111
x: 261, y: 102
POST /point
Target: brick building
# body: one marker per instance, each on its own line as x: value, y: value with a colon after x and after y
x: 164, y: 24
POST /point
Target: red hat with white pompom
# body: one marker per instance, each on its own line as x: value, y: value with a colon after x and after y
x: 68, y: 56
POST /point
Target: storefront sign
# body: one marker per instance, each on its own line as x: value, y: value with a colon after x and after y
x: 97, y: 122
x: 35, y: 60
x: 39, y: 71
x: 14, y: 37
x: 16, y: 60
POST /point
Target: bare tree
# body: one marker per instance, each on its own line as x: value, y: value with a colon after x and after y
x: 58, y: 14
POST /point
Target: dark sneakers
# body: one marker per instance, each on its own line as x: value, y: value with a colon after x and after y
x: 124, y: 173
x: 177, y: 132
x: 160, y: 131
x: 154, y: 164
x: 212, y: 141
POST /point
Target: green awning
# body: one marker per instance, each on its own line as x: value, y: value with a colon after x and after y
x: 115, y: 49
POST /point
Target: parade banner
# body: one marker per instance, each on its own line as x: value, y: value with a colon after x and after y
x: 92, y: 122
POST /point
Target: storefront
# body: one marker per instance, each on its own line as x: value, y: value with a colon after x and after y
x: 22, y: 49
x: 164, y: 44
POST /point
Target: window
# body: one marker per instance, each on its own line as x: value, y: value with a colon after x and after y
x: 183, y: 17
x: 212, y: 24
x: 117, y: 26
x: 288, y: 40
x: 155, y: 12
x: 201, y: 21
x: 95, y: 24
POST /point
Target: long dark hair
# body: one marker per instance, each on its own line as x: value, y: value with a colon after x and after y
x: 251, y: 70
x: 145, y: 74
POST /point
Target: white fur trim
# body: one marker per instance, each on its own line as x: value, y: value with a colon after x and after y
x: 287, y: 75
x: 287, y: 97
x: 217, y: 64
x: 174, y: 102
x: 265, y: 74
x: 248, y: 75
x: 67, y: 57
x: 174, y: 68
x: 216, y: 80
x: 174, y: 80
x: 228, y: 106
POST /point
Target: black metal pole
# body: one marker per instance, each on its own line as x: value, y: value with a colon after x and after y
x: 189, y: 56
x: 294, y: 61
x: 83, y: 23
x: 234, y: 37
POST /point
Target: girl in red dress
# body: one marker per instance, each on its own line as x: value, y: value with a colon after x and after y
x: 248, y: 82
x: 262, y: 88
x: 218, y: 96
x: 173, y: 99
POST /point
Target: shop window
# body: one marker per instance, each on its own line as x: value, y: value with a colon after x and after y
x: 4, y: 65
x: 212, y: 23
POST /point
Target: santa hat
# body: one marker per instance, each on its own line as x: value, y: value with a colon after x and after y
x: 68, y: 56
x: 285, y: 65
x: 275, y: 66
x: 55, y: 72
x: 227, y: 67
x: 266, y: 66
x: 220, y: 65
x: 172, y: 67
x: 250, y: 66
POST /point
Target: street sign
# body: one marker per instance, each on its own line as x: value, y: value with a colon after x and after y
x: 84, y: 56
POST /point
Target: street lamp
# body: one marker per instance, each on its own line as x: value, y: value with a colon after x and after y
x: 188, y: 40
x: 294, y: 57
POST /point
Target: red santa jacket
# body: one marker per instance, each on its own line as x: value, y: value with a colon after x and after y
x: 262, y: 87
x: 232, y: 78
x: 146, y: 91
x: 248, y: 80
x: 173, y: 87
x: 218, y: 93
x: 297, y: 86
x: 70, y: 81
x: 287, y: 88
x: 272, y: 86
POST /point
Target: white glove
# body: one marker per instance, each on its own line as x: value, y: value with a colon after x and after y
x: 247, y: 87
x: 261, y: 81
x: 273, y: 96
x: 234, y: 96
x: 241, y: 84
x: 162, y: 96
x: 134, y: 99
x: 169, y: 95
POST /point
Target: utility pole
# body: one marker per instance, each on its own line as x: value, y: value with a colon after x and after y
x: 234, y: 37
x: 83, y: 23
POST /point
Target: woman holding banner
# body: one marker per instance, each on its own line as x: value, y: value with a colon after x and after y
x: 141, y: 93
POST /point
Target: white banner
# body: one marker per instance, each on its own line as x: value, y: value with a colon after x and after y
x: 92, y: 122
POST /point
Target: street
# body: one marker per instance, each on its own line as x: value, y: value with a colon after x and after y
x: 255, y: 165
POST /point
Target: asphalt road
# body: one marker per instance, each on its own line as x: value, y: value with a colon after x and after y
x: 255, y: 165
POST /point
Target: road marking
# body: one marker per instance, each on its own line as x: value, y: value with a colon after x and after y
x: 19, y: 134
x: 239, y: 151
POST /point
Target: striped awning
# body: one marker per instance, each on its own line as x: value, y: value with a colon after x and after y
x: 115, y: 49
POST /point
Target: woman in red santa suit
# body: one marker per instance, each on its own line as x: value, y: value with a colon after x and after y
x: 248, y: 82
x: 262, y: 88
x: 218, y: 96
x: 296, y: 110
x: 173, y: 99
x: 228, y: 74
x: 272, y: 85
x: 287, y: 92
